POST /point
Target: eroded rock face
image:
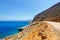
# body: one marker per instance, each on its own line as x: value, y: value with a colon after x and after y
x: 51, y: 14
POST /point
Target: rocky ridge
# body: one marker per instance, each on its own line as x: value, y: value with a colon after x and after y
x: 51, y: 14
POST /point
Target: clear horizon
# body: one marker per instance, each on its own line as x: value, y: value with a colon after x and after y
x: 17, y: 10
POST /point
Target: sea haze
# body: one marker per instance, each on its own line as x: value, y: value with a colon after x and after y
x: 10, y: 27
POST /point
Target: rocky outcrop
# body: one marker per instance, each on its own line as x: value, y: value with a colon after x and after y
x: 51, y: 14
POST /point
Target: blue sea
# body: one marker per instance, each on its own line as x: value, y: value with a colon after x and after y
x: 8, y: 28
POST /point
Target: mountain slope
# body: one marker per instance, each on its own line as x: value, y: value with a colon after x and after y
x: 51, y: 14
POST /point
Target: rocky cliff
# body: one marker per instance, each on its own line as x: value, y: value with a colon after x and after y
x: 51, y: 14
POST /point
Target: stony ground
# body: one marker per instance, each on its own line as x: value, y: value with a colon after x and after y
x: 38, y: 31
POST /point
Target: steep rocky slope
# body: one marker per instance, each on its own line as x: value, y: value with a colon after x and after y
x: 36, y: 31
x: 51, y: 14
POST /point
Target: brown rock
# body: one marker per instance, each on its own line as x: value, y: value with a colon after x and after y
x: 39, y: 31
x: 51, y: 14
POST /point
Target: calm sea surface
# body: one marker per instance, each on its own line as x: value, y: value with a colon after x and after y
x: 10, y: 27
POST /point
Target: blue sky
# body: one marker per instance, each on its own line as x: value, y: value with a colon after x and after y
x: 23, y: 9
